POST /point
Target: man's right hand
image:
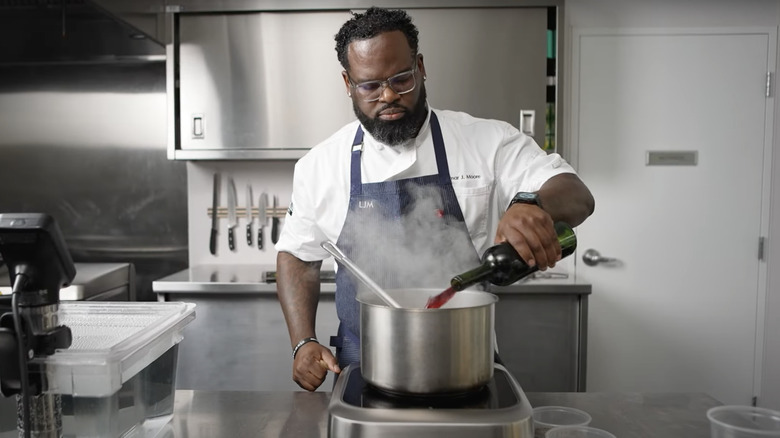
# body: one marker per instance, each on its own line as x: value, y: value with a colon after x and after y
x: 311, y: 365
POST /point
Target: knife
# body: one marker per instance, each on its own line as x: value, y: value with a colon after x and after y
x: 249, y: 215
x: 232, y: 219
x: 214, y: 205
x: 261, y: 218
x: 275, y: 223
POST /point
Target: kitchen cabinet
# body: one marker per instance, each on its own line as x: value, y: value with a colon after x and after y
x: 239, y: 339
x: 257, y: 84
x: 542, y: 333
x: 266, y: 84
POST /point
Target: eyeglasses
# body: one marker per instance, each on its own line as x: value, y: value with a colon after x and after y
x: 401, y: 83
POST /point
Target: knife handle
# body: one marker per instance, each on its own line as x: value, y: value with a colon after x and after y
x: 249, y: 234
x: 231, y: 240
x: 259, y: 237
x: 213, y: 242
x: 275, y: 230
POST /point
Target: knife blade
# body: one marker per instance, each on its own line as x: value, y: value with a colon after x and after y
x: 261, y: 218
x: 249, y: 214
x: 275, y: 223
x: 214, y: 206
x: 232, y: 219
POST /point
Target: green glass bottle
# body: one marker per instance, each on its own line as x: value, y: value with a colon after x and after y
x: 502, y: 265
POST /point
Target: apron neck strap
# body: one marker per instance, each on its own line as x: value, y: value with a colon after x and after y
x: 356, y: 182
x: 441, y: 153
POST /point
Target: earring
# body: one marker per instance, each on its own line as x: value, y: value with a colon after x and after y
x: 425, y: 77
x: 349, y: 94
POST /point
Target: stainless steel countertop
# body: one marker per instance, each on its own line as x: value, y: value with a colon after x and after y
x: 243, y: 279
x: 91, y: 279
x: 236, y: 279
x: 302, y: 414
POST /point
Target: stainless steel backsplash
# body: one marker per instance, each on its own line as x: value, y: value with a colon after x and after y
x: 86, y: 143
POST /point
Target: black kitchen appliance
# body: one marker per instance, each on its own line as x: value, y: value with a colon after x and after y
x: 499, y: 409
x: 39, y: 265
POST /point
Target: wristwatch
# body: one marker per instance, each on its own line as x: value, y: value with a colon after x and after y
x: 525, y: 198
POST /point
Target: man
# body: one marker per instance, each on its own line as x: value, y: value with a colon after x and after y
x: 413, y: 195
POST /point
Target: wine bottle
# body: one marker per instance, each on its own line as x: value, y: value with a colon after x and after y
x: 502, y: 265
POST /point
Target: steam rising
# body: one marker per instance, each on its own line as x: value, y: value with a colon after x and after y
x: 411, y: 245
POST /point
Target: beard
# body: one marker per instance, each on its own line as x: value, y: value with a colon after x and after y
x: 395, y: 132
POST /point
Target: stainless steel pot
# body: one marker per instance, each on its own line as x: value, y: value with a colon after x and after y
x: 421, y: 351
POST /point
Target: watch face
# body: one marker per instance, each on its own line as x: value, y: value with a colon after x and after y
x: 527, y: 197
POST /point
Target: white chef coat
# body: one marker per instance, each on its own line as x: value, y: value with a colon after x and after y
x: 489, y: 160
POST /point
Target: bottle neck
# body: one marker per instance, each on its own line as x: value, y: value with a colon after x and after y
x: 472, y: 277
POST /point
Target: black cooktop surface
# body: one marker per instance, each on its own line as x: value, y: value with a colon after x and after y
x: 498, y: 393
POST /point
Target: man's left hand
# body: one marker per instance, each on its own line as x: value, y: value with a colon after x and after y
x: 530, y: 230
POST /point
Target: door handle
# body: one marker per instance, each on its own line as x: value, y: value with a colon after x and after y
x: 592, y: 257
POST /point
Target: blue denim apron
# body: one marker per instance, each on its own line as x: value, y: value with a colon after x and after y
x: 382, y: 210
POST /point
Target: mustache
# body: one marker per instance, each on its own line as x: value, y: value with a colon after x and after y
x: 391, y: 105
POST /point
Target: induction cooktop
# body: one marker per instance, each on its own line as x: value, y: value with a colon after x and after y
x: 499, y: 409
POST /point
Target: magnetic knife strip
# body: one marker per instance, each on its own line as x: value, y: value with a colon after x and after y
x: 222, y: 212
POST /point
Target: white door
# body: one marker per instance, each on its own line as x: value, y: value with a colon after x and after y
x: 680, y: 308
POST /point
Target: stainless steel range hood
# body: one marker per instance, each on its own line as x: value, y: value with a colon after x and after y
x: 145, y: 16
x: 64, y: 31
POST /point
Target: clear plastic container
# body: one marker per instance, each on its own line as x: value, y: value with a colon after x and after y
x: 743, y: 422
x: 578, y: 432
x: 118, y: 376
x: 547, y: 417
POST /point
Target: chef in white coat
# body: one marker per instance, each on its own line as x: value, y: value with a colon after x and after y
x: 413, y: 194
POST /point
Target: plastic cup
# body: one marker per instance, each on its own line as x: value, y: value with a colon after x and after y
x: 578, y: 432
x: 548, y: 417
x: 743, y: 422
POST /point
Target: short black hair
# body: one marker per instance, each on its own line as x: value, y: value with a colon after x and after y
x: 372, y: 23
